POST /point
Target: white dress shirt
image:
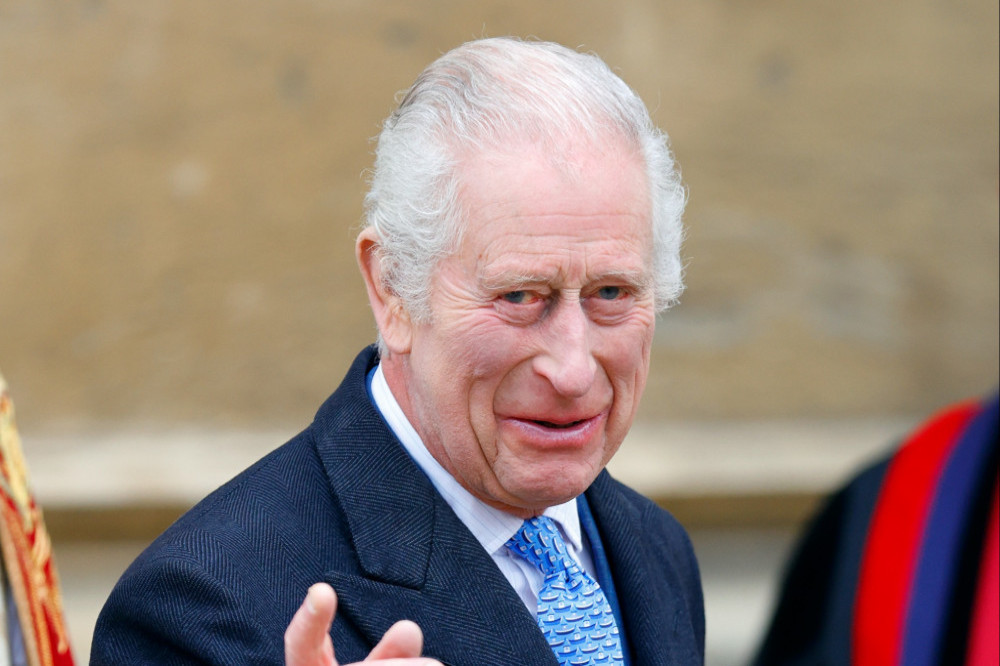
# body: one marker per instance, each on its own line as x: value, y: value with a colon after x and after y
x: 491, y: 527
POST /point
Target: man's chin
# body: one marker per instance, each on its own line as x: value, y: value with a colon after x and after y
x: 533, y: 499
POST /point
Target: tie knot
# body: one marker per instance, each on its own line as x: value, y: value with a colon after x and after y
x: 540, y: 544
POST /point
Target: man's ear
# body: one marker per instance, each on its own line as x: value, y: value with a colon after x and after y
x: 391, y: 316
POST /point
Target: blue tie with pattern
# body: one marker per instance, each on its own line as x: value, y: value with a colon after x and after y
x: 573, y: 613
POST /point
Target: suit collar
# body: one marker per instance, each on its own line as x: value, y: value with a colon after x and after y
x: 384, y: 501
x: 650, y: 593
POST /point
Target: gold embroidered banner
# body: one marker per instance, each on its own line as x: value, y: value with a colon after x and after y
x: 27, y: 552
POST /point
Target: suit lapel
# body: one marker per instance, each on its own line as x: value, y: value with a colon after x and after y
x: 468, y: 611
x: 416, y: 559
x: 657, y: 622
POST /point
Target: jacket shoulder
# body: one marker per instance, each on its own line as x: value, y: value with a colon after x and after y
x: 208, y: 586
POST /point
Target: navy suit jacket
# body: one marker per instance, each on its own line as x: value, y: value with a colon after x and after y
x: 344, y: 503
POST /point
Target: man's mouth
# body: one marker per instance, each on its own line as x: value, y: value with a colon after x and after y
x: 570, y: 431
x: 560, y: 426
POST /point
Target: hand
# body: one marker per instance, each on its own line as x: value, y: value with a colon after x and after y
x: 308, y: 642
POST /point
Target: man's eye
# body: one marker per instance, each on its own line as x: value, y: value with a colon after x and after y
x: 517, y: 297
x: 610, y: 293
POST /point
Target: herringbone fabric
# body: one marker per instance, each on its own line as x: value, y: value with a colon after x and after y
x: 220, y: 584
x: 573, y: 613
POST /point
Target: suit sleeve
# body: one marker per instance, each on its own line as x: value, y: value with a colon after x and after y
x: 170, y: 611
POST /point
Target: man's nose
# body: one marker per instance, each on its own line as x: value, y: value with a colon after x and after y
x: 567, y: 361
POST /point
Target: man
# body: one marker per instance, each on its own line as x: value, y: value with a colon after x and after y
x: 523, y: 231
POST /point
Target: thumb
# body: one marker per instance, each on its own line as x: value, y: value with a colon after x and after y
x: 403, y: 640
x: 307, y: 639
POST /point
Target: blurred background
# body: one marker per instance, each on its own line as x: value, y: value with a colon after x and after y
x: 181, y: 182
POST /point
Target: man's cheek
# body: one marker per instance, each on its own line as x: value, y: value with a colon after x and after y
x: 494, y: 352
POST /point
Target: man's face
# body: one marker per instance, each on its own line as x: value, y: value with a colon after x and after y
x: 528, y: 375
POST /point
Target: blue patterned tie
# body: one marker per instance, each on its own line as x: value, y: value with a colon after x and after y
x: 573, y: 613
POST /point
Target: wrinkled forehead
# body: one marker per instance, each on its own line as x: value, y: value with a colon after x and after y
x: 523, y: 198
x: 579, y: 177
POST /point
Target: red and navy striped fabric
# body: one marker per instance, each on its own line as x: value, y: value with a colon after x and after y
x: 916, y: 578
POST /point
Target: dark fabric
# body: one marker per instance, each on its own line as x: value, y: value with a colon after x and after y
x: 946, y: 578
x: 343, y: 502
x: 592, y: 541
x: 812, y: 620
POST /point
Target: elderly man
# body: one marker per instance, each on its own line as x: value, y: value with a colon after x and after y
x: 523, y: 231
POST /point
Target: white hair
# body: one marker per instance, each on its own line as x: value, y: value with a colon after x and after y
x: 484, y: 95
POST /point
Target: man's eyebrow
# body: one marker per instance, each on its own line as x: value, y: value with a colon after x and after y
x: 636, y: 278
x: 639, y: 279
x: 512, y: 279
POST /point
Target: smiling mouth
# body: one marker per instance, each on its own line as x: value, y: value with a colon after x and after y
x: 559, y: 434
x: 559, y: 426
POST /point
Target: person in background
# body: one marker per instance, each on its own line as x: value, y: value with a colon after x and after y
x: 901, y: 566
x: 524, y: 228
x: 32, y: 626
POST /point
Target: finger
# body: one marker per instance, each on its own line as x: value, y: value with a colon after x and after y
x: 307, y: 639
x: 403, y: 640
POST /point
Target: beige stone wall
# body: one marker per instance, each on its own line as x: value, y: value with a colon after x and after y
x: 180, y: 182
